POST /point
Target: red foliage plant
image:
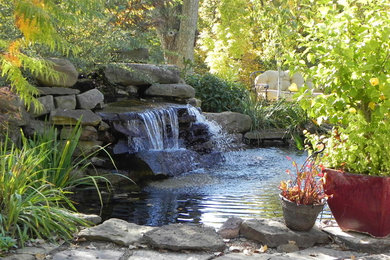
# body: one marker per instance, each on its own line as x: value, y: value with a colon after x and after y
x: 305, y: 186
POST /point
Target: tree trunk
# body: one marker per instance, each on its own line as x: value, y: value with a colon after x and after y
x: 176, y: 31
x: 186, y: 38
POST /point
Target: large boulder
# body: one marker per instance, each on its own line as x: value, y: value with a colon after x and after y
x: 171, y: 90
x: 67, y: 74
x: 141, y: 74
x: 231, y: 122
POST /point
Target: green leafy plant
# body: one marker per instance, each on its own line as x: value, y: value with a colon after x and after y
x: 31, y: 206
x: 217, y: 94
x: 6, y: 243
x: 305, y: 186
x: 344, y: 48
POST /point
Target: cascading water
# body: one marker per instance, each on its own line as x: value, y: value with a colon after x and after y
x: 162, y: 129
x: 220, y: 138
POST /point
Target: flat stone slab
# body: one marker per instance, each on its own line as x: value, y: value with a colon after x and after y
x: 117, y: 231
x: 357, y: 241
x: 88, y: 254
x: 70, y: 117
x: 57, y: 91
x: 171, y: 90
x: 261, y: 256
x: 274, y: 233
x: 178, y: 237
x: 149, y: 254
x: 324, y: 253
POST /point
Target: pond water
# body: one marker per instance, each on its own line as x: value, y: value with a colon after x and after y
x: 244, y: 185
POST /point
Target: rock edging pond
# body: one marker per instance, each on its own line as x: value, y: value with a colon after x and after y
x: 118, y: 239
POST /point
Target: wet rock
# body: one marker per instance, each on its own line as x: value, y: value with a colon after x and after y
x: 65, y: 102
x: 88, y: 254
x: 358, y: 242
x: 87, y: 147
x: 103, y: 126
x: 117, y: 231
x: 148, y: 254
x: 67, y: 74
x: 58, y: 91
x: 231, y: 228
x: 170, y: 162
x: 178, y: 237
x: 70, y: 117
x: 47, y: 106
x: 141, y: 74
x: 274, y: 233
x: 171, y: 90
x: 90, y: 99
x: 231, y: 122
x: 195, y: 102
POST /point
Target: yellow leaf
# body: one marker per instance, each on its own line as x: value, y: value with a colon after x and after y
x: 374, y: 81
x: 293, y: 87
x: 371, y: 105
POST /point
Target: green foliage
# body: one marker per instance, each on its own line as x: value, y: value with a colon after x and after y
x: 6, y: 243
x: 345, y: 50
x: 29, y: 26
x: 217, y: 94
x: 31, y: 207
x: 280, y: 114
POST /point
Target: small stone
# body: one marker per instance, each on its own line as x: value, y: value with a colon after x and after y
x: 65, y: 102
x: 47, y: 106
x: 287, y: 248
x: 231, y: 228
x: 89, y: 99
x: 103, y: 126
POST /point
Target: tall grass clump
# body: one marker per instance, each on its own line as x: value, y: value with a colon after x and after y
x: 35, y: 181
x: 30, y: 205
x: 280, y: 114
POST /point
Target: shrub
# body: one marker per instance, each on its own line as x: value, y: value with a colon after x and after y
x: 217, y: 94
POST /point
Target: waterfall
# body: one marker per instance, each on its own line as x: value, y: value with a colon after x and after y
x: 221, y: 139
x: 162, y: 130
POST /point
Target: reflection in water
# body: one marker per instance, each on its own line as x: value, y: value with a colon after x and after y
x: 245, y: 185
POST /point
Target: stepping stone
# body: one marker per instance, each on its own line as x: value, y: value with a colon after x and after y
x: 117, y: 231
x: 324, y: 253
x: 274, y: 233
x: 358, y: 241
x: 178, y: 237
x: 262, y: 256
x: 148, y: 254
x: 88, y: 255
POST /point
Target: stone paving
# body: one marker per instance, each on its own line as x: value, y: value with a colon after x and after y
x: 116, y: 239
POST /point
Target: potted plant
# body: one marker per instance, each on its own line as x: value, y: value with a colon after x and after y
x: 302, y: 197
x: 345, y: 51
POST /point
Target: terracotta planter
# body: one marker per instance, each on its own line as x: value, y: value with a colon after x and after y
x: 359, y: 202
x: 299, y: 217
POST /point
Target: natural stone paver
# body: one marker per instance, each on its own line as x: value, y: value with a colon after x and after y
x: 184, y: 237
x: 70, y: 117
x: 19, y: 257
x: 274, y: 233
x: 86, y: 254
x: 57, y: 91
x: 149, y: 254
x: 324, y: 253
x: 357, y: 241
x: 231, y: 228
x: 116, y: 230
x: 242, y: 256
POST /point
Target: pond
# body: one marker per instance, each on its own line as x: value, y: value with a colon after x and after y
x: 244, y: 185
